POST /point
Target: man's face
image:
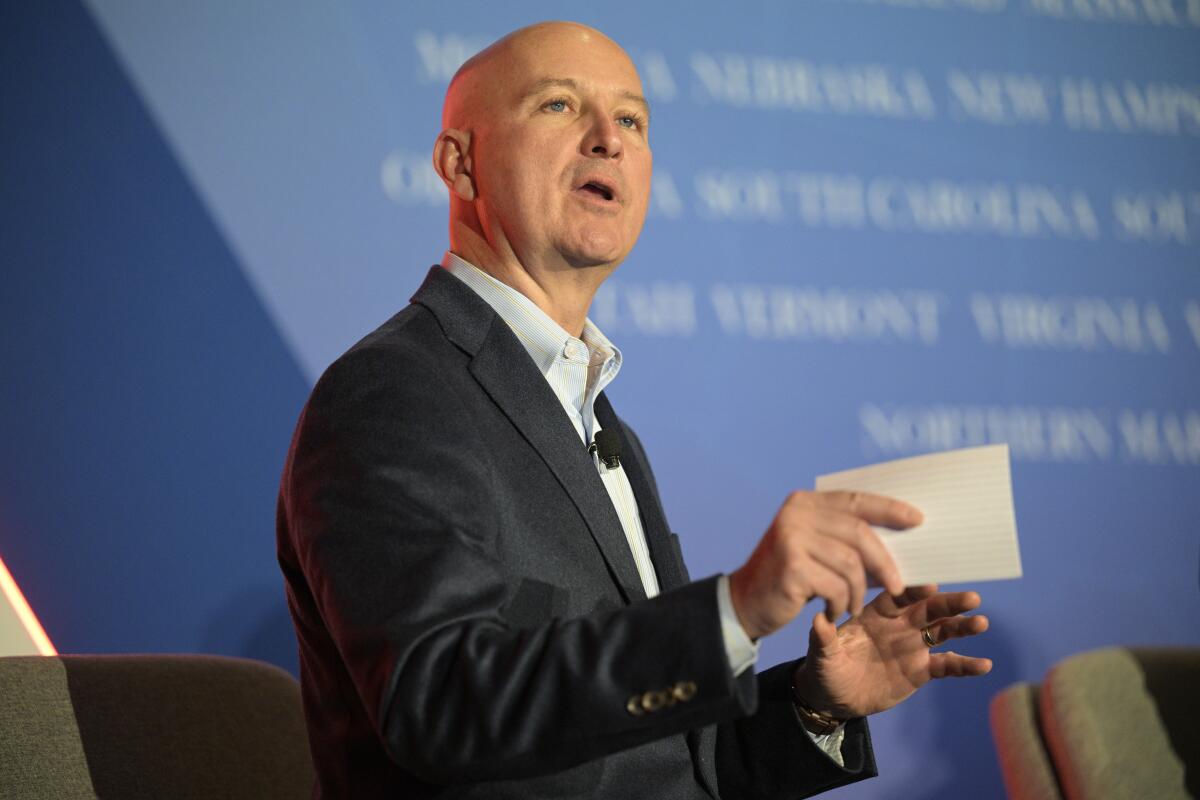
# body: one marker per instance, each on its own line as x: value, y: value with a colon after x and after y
x: 562, y: 156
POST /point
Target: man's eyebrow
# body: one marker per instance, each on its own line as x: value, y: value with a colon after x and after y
x: 568, y: 83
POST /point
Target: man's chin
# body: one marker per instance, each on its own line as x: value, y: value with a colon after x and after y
x: 593, y: 254
x: 581, y: 261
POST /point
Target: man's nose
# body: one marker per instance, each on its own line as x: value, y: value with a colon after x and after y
x: 603, y: 140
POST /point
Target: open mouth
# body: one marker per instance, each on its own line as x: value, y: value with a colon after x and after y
x: 598, y: 189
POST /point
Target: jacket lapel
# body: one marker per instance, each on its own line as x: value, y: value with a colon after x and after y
x: 505, y: 371
x: 671, y: 571
x: 654, y: 520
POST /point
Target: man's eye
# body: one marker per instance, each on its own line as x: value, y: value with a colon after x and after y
x: 630, y: 122
x: 557, y: 106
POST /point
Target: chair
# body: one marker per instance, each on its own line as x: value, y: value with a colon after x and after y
x: 1106, y: 724
x: 153, y: 726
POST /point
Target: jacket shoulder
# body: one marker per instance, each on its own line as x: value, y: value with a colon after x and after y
x: 409, y: 346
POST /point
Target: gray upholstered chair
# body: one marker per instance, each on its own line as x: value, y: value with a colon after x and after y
x: 152, y: 726
x: 1107, y: 724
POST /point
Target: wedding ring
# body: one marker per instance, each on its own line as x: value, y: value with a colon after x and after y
x: 927, y: 637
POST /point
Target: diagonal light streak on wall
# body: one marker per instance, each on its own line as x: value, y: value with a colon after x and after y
x: 20, y: 632
x: 295, y: 194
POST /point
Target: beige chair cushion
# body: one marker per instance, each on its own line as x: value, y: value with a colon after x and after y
x: 1104, y: 731
x: 41, y: 754
x: 152, y: 726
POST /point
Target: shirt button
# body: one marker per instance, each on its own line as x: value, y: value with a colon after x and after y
x: 573, y: 350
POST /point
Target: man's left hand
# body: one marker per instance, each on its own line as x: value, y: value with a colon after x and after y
x: 879, y: 658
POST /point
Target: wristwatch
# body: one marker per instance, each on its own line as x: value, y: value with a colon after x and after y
x: 819, y: 722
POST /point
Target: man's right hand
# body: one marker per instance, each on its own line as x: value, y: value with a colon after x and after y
x: 820, y: 545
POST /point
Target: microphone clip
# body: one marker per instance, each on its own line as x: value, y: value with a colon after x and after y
x: 607, y: 443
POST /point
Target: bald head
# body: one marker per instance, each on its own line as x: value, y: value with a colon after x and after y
x: 546, y: 152
x: 494, y: 72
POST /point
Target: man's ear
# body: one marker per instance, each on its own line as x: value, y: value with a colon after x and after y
x: 452, y: 161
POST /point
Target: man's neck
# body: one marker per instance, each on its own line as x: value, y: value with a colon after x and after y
x: 565, y: 293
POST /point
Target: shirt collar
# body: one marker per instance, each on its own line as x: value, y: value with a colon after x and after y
x: 543, y: 338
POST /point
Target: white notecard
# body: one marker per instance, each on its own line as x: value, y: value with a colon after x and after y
x: 970, y: 528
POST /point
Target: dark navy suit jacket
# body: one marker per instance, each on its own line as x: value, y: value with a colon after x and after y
x: 470, y: 619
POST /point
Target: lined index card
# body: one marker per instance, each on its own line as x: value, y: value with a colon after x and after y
x: 970, y: 527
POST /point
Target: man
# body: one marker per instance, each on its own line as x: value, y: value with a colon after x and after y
x: 485, y: 607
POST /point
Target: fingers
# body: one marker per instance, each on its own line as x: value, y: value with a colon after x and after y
x: 820, y: 545
x: 946, y: 604
x: 953, y: 665
x: 910, y: 596
x: 847, y: 564
x: 824, y: 634
x: 915, y: 594
x: 950, y: 664
x: 855, y: 532
x: 957, y: 628
x: 875, y: 509
x: 832, y: 586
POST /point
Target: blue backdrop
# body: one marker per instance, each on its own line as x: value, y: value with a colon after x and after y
x: 879, y: 228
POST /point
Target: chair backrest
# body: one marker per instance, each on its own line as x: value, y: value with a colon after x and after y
x: 130, y: 726
x: 1024, y: 762
x: 1106, y: 724
x: 1105, y: 729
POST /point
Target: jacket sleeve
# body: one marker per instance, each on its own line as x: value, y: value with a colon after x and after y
x: 387, y: 505
x: 767, y: 755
